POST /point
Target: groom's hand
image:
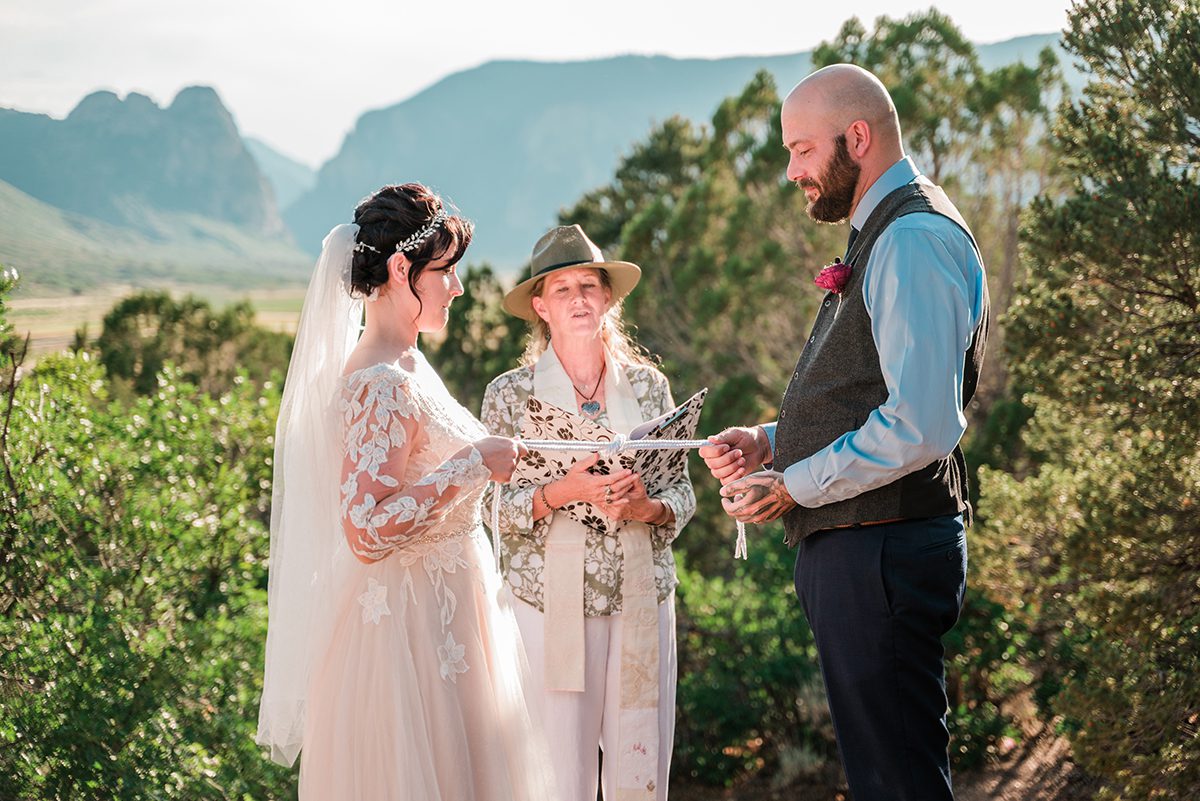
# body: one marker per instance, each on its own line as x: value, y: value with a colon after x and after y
x: 758, y: 498
x: 736, y: 452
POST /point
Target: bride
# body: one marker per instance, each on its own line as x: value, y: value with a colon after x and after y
x: 389, y: 660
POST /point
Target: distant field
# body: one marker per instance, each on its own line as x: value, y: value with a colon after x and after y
x: 52, y: 321
x: 62, y: 253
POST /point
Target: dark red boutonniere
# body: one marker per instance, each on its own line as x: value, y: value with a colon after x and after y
x: 834, y: 277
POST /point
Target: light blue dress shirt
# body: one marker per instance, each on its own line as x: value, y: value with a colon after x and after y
x: 922, y: 331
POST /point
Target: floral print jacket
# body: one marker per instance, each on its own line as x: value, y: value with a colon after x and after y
x: 523, y: 540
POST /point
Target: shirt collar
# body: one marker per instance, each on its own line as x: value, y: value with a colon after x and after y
x: 901, y: 173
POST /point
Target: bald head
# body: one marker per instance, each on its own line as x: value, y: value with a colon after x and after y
x: 840, y: 94
x: 830, y: 100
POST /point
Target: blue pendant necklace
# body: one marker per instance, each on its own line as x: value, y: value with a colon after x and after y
x: 589, y: 407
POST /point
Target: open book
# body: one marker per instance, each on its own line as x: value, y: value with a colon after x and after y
x: 658, y: 468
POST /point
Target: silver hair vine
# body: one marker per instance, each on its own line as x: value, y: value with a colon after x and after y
x: 371, y: 295
x: 414, y: 241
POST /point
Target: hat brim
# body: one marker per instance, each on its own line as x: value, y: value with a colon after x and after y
x: 623, y: 275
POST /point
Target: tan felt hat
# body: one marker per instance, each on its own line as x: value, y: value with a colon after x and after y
x: 561, y: 248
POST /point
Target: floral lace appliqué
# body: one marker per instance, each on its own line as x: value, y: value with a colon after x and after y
x: 391, y: 501
x: 451, y: 655
x: 374, y: 602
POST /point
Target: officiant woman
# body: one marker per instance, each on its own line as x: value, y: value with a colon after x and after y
x: 596, y: 610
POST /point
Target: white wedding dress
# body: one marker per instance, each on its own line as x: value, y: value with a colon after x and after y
x: 420, y: 694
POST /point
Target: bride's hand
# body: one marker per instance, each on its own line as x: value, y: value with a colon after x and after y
x: 500, y: 456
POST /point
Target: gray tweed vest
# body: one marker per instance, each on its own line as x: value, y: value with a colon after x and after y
x: 837, y: 383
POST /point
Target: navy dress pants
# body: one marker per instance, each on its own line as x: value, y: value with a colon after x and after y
x: 878, y: 600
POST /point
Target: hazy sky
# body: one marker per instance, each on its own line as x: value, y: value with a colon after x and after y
x: 297, y: 73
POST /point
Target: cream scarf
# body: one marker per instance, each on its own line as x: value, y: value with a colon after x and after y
x: 637, y: 755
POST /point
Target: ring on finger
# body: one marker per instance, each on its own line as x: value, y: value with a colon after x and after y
x: 608, y: 493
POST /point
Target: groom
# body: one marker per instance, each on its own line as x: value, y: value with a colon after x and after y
x: 863, y: 463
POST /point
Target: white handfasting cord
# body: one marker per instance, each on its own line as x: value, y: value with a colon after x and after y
x: 619, y: 445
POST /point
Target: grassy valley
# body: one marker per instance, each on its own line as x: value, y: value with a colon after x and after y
x: 73, y: 268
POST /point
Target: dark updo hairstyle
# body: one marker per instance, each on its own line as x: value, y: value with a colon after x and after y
x: 390, y: 216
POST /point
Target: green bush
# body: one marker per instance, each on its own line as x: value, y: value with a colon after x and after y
x: 984, y: 654
x: 750, y: 691
x: 132, y: 587
x: 1101, y: 544
x: 148, y: 330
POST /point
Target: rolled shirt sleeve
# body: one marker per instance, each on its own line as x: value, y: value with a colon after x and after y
x: 769, y: 430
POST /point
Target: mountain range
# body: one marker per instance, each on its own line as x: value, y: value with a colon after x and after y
x: 512, y: 142
x: 109, y: 154
x: 122, y: 190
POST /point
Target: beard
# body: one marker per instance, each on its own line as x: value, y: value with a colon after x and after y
x: 837, y: 183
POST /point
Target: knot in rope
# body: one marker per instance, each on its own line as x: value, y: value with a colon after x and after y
x: 615, y: 447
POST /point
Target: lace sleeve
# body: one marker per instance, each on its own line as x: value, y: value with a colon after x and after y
x: 500, y: 400
x: 383, y: 426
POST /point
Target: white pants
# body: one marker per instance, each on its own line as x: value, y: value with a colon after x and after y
x: 579, y: 724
